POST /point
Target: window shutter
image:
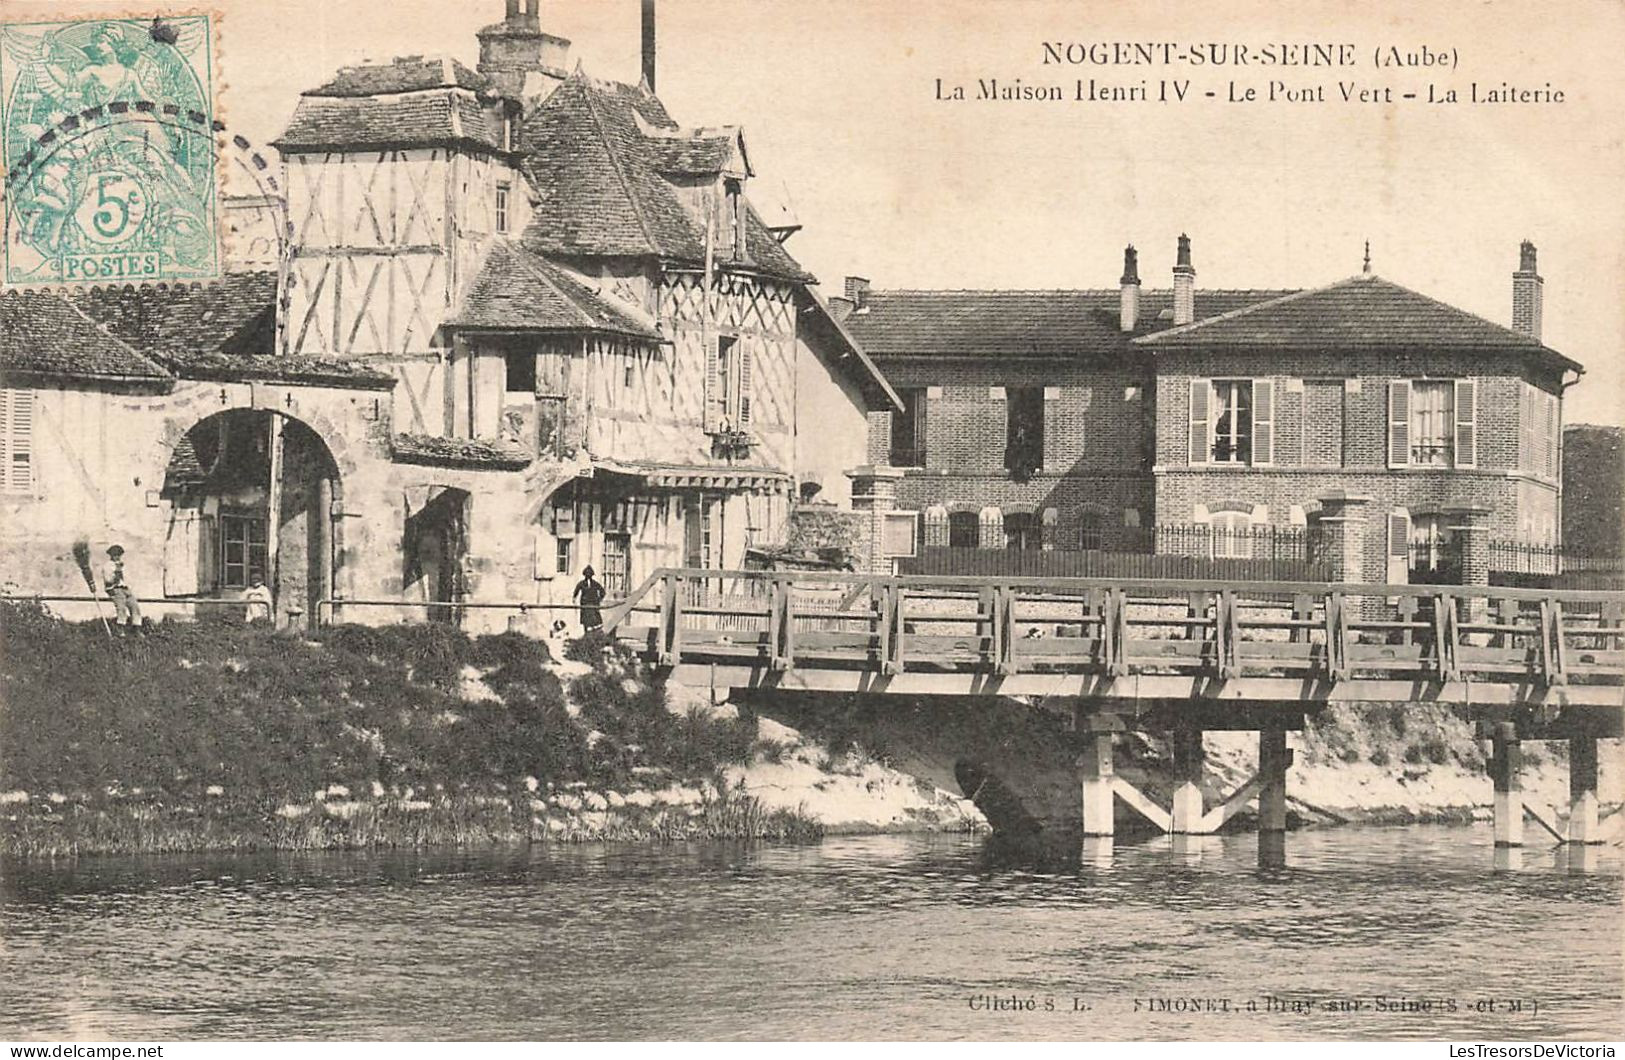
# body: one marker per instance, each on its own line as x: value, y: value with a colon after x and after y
x: 745, y: 359
x: 544, y: 555
x: 5, y: 434
x: 1399, y: 423
x: 1200, y: 391
x: 1466, y: 423
x: 1263, y: 421
x: 1552, y: 434
x: 19, y: 467
x: 713, y: 384
x: 1399, y: 547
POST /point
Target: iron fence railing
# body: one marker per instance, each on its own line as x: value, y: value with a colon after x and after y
x: 1529, y: 557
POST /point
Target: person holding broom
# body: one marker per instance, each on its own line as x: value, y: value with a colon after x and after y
x: 126, y: 609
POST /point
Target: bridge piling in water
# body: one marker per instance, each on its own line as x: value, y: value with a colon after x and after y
x: 1097, y: 782
x: 1274, y: 759
x: 1505, y: 759
x: 1583, y: 822
x: 1189, y: 760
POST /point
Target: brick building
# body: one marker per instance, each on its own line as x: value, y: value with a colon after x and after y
x: 1080, y: 419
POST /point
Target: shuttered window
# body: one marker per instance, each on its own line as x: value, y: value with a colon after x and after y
x: 1199, y: 425
x: 1399, y: 423
x: 1399, y: 547
x: 1466, y: 423
x: 746, y: 372
x: 17, y: 439
x: 1263, y: 421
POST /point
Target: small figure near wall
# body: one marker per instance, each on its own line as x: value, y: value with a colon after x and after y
x: 126, y: 609
x: 590, y: 591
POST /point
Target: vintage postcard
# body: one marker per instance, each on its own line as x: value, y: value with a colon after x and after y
x: 722, y: 520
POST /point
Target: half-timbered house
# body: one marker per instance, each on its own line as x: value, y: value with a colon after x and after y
x: 597, y: 338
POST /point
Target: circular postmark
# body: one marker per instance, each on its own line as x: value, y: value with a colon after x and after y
x: 113, y: 153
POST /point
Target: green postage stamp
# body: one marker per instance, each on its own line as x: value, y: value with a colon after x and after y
x: 107, y: 128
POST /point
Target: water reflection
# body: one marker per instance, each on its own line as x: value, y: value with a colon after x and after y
x: 884, y: 936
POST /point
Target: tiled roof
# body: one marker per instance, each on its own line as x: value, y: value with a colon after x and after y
x: 223, y: 329
x: 519, y: 290
x: 1360, y: 312
x: 598, y: 180
x: 235, y: 314
x: 443, y: 117
x: 690, y: 154
x: 42, y: 332
x: 412, y: 73
x: 459, y: 452
x: 1054, y: 323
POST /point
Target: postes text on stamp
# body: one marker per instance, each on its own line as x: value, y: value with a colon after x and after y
x: 106, y: 129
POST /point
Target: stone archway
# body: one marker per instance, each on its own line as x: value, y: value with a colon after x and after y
x: 250, y: 499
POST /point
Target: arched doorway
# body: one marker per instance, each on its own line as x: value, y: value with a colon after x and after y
x: 250, y: 496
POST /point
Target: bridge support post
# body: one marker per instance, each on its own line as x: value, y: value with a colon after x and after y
x: 1189, y: 758
x: 1274, y: 758
x: 1505, y: 758
x: 1096, y: 780
x: 1583, y: 790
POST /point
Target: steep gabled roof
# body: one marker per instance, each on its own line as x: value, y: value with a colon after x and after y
x: 517, y: 290
x: 1042, y: 323
x: 447, y: 116
x: 1361, y: 312
x: 411, y: 73
x: 599, y: 153
x: 43, y: 333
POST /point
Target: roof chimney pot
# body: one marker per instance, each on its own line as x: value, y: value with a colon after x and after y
x: 1527, y: 293
x: 1184, y: 284
x: 1129, y: 300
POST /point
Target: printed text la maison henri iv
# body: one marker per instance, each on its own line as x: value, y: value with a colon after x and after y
x: 1259, y: 73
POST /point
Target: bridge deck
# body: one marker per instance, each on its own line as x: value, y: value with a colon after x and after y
x: 1114, y: 638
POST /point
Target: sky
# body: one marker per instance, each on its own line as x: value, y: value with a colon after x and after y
x: 837, y: 100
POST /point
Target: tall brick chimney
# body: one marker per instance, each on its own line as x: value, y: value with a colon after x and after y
x: 1184, y: 284
x: 518, y: 56
x: 1129, y: 302
x: 1526, y: 293
x: 649, y: 44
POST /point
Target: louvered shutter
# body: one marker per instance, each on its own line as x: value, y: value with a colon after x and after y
x: 1399, y: 547
x: 745, y: 394
x: 1466, y: 423
x: 5, y: 435
x: 1552, y: 434
x: 1263, y: 421
x: 1200, y: 391
x: 1399, y: 423
x: 713, y: 384
x: 19, y: 432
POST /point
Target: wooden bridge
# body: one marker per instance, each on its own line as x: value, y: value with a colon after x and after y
x: 1181, y: 656
x: 1105, y: 639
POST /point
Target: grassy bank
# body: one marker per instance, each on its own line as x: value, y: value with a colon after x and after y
x: 217, y: 735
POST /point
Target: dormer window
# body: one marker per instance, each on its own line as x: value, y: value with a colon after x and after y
x: 503, y: 191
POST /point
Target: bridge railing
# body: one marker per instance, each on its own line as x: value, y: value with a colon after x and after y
x: 782, y: 620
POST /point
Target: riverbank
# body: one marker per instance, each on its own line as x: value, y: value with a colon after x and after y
x: 221, y: 736
x: 224, y: 736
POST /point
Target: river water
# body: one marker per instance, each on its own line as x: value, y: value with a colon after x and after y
x: 1402, y: 933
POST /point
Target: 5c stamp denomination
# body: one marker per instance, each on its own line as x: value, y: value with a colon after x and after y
x: 106, y: 128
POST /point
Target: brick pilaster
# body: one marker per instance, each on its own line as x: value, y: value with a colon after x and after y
x: 874, y: 490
